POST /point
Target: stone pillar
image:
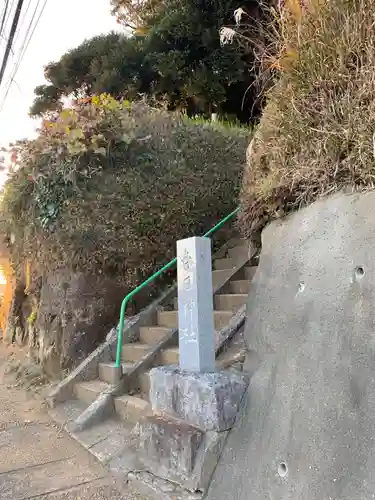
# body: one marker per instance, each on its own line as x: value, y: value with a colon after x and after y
x: 195, y: 305
x: 193, y: 405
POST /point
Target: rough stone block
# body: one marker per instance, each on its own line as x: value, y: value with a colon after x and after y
x: 209, y: 401
x: 169, y: 445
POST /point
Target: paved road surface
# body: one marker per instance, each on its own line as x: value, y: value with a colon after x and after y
x: 39, y: 461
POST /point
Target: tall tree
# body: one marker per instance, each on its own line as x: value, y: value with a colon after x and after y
x: 136, y: 14
x: 193, y: 69
x: 110, y: 63
x: 177, y: 59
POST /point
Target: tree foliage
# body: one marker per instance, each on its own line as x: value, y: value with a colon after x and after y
x: 136, y: 14
x: 177, y: 59
x: 110, y: 63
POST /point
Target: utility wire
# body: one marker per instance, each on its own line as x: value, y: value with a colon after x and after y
x: 10, y: 39
x: 22, y: 22
x: 28, y: 36
x: 5, y: 17
x: 23, y: 48
x: 22, y: 51
x: 5, y: 11
x: 9, y: 13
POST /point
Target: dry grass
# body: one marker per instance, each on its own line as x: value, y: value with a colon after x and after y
x: 317, y: 134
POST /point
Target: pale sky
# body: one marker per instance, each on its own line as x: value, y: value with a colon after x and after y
x: 63, y: 25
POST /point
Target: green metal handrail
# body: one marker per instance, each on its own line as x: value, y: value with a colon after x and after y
x: 140, y: 287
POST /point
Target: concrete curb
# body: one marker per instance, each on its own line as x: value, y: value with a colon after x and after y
x: 101, y: 408
x: 226, y: 334
x: 87, y: 370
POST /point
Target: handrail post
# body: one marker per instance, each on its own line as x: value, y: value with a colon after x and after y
x: 121, y: 332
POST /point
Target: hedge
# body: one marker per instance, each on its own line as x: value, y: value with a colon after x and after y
x: 109, y: 187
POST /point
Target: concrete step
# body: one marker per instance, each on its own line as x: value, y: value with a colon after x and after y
x: 90, y: 390
x: 170, y: 319
x: 68, y: 411
x: 222, y: 319
x: 233, y: 287
x: 131, y: 408
x: 236, y: 286
x: 235, y: 242
x: 239, y: 252
x: 170, y: 356
x: 239, y: 286
x: 220, y: 264
x: 246, y: 273
x: 107, y: 440
x: 152, y: 334
x: 108, y: 371
x: 134, y: 352
x: 220, y: 276
x: 230, y: 302
x: 144, y: 384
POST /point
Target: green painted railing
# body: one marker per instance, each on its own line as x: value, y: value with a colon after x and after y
x: 130, y: 295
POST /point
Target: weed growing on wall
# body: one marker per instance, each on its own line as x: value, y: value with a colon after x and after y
x: 316, y: 136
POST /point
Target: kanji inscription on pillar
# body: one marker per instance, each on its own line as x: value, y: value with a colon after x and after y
x: 195, y: 305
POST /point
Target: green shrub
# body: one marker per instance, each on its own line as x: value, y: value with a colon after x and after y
x: 316, y: 135
x: 108, y: 188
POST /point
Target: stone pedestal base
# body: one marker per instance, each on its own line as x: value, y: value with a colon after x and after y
x: 174, y: 451
x: 169, y: 446
x: 183, y: 439
x: 209, y: 401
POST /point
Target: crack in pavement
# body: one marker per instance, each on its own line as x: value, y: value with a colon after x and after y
x: 64, y: 489
x: 40, y: 464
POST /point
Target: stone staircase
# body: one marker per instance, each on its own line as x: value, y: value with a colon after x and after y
x: 154, y: 342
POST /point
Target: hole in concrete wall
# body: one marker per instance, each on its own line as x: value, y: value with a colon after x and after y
x: 301, y: 287
x: 359, y: 272
x: 282, y: 470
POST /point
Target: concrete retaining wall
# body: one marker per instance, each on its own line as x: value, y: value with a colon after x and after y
x: 308, y: 429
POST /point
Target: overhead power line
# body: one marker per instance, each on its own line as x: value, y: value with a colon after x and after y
x: 4, y: 19
x: 10, y: 39
x: 26, y: 41
x: 5, y: 11
x: 7, y: 15
x: 21, y: 23
x: 24, y: 46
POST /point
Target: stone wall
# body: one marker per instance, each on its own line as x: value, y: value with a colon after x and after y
x: 64, y: 317
x: 308, y: 429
